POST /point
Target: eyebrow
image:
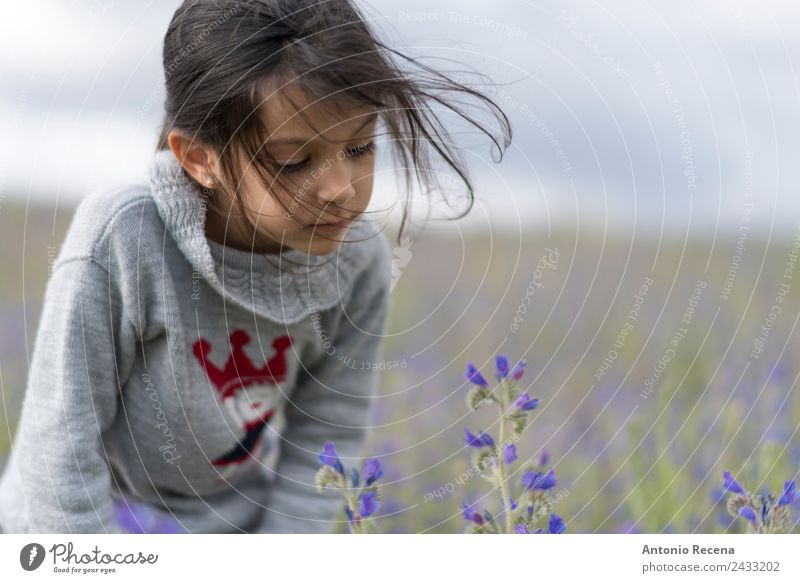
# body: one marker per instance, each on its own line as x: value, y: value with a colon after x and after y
x: 370, y: 118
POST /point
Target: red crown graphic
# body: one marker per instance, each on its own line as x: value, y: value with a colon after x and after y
x: 240, y: 372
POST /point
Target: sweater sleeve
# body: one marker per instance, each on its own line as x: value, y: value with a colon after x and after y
x: 57, y: 479
x: 331, y: 402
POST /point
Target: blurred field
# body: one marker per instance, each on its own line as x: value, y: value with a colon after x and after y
x: 627, y: 463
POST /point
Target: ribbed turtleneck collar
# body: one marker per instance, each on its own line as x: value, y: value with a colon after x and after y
x: 255, y: 282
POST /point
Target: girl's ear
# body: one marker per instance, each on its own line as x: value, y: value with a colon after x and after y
x: 196, y: 158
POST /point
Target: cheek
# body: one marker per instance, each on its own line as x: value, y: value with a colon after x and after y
x: 365, y: 183
x: 260, y: 201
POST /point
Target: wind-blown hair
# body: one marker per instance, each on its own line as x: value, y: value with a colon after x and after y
x: 218, y: 54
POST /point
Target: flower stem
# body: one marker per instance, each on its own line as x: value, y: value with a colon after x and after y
x: 506, y: 502
x: 355, y: 528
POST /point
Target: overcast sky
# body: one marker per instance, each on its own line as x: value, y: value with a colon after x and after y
x: 675, y: 111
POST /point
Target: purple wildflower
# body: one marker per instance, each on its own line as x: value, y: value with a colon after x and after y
x: 354, y: 477
x: 748, y: 513
x: 525, y: 403
x: 539, y: 481
x: 556, y: 525
x: 629, y: 527
x: 130, y: 518
x: 730, y: 483
x: 367, y: 503
x: 522, y: 529
x: 509, y: 453
x: 503, y: 503
x: 477, y: 440
x: 765, y: 508
x: 518, y: 371
x: 789, y: 495
x: 349, y: 513
x: 372, y: 471
x: 469, y: 513
x: 474, y: 376
x: 502, y: 366
x: 137, y: 518
x: 329, y: 457
x: 471, y: 439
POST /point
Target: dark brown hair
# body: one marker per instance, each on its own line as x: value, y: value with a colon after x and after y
x: 218, y: 53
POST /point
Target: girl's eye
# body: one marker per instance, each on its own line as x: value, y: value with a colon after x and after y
x: 289, y: 168
x: 361, y: 150
x: 353, y: 151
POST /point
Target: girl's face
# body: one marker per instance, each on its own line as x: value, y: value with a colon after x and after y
x: 328, y: 176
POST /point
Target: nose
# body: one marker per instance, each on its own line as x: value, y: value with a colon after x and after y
x: 336, y: 184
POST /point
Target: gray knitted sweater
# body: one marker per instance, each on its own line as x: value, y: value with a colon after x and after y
x: 192, y: 377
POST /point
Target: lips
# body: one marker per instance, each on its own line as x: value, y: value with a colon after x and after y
x: 340, y: 223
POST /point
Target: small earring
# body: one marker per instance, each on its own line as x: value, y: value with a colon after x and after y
x: 210, y: 181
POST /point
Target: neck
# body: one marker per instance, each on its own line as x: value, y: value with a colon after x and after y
x: 231, y: 232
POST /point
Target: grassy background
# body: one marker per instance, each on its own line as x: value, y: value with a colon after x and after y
x: 624, y: 463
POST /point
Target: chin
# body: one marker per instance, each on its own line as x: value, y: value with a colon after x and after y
x: 320, y: 246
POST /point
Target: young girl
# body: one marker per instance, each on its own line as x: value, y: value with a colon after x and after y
x: 206, y: 332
